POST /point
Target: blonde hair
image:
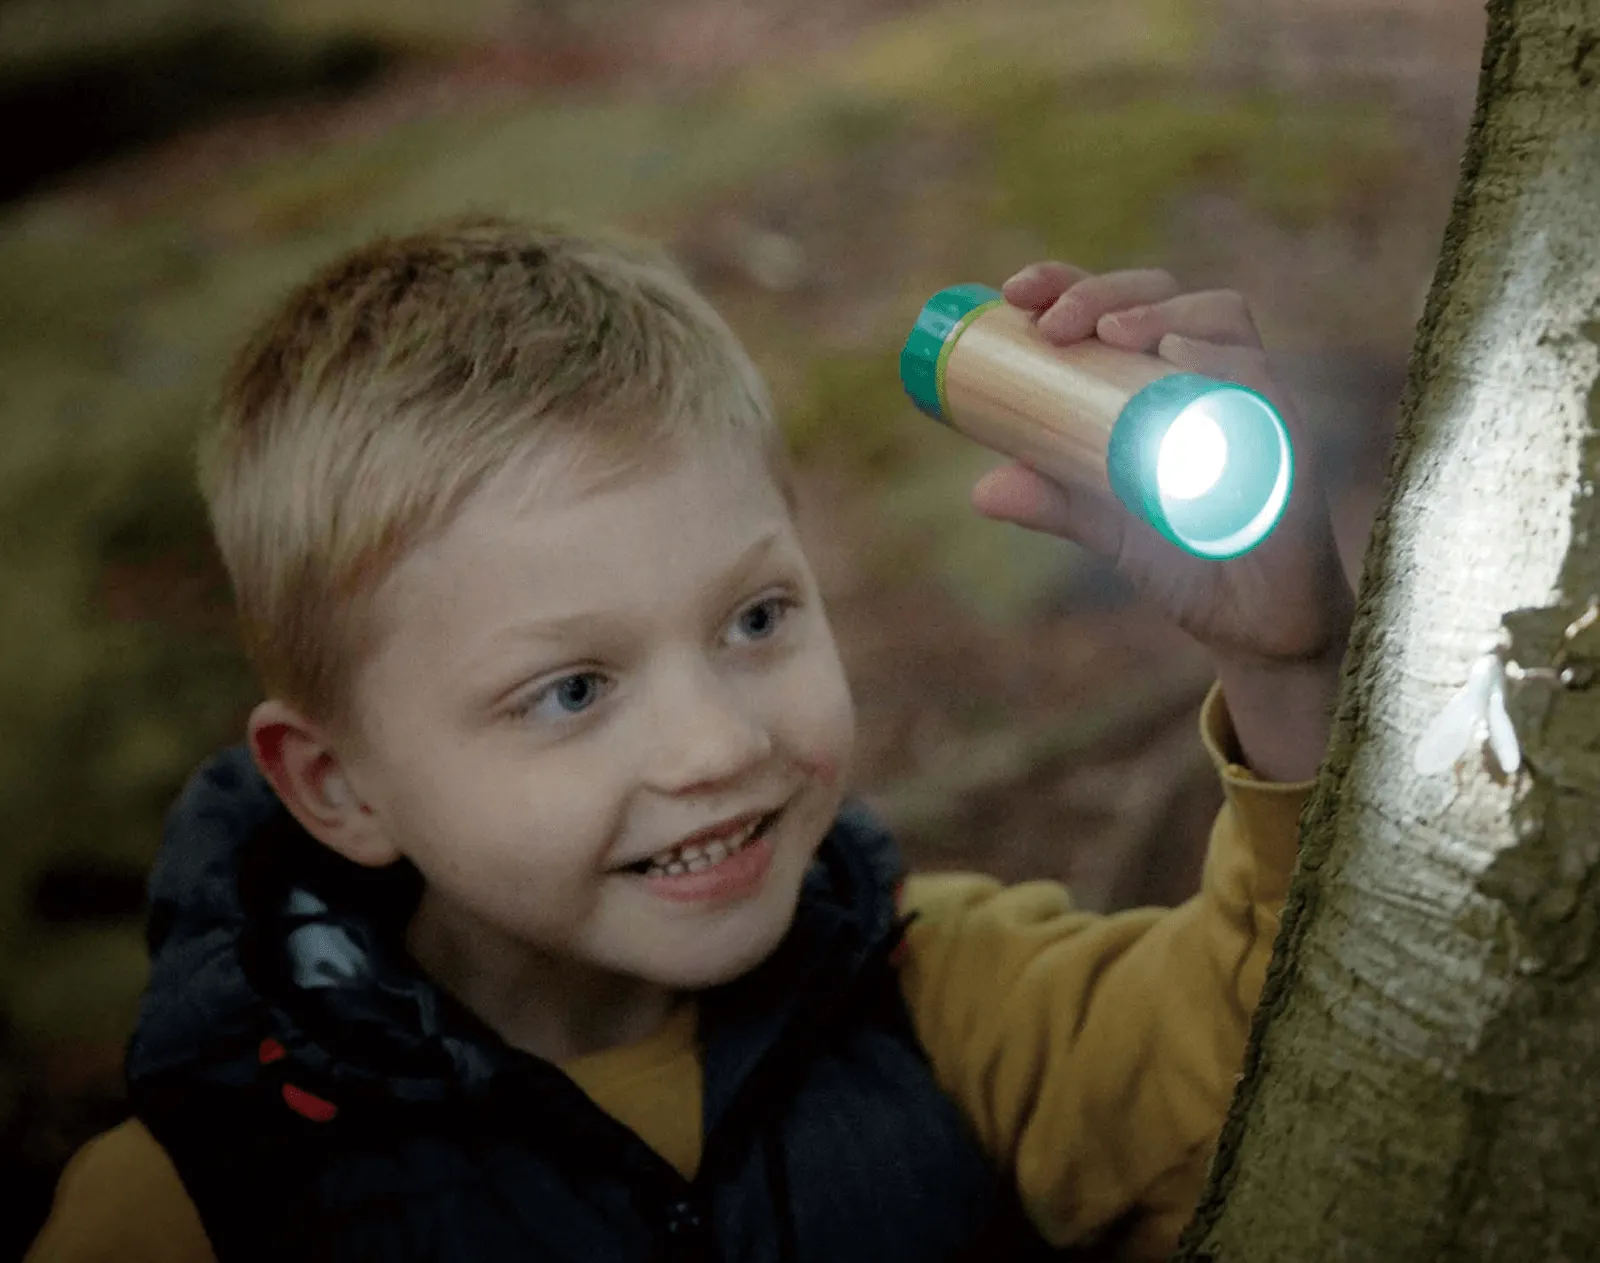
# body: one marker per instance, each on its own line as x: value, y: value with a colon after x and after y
x: 386, y: 389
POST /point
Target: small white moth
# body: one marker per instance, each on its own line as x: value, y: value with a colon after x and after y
x: 1476, y: 712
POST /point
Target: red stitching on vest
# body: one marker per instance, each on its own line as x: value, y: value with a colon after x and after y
x: 308, y: 1106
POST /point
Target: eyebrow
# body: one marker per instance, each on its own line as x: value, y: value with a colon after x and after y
x: 578, y: 626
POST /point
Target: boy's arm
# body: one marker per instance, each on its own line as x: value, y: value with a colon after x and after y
x: 120, y: 1201
x: 1096, y: 1055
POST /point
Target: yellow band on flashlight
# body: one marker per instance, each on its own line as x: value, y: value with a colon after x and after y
x: 950, y: 340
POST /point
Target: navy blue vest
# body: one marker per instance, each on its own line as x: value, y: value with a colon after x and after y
x: 323, y: 1101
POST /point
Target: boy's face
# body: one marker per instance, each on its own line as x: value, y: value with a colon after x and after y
x: 574, y: 681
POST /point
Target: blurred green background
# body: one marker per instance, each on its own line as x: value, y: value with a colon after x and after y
x: 819, y: 168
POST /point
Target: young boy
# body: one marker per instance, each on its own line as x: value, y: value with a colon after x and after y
x: 532, y: 923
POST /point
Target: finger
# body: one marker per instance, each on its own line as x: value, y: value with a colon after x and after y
x: 1248, y: 367
x: 1074, y: 315
x: 1040, y: 284
x: 1220, y: 316
x: 1016, y: 494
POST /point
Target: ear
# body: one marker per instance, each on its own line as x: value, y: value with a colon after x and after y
x: 300, y: 762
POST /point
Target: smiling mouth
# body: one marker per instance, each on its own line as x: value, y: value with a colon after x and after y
x: 697, y: 857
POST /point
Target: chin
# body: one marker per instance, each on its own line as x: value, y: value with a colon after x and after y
x: 712, y: 957
x: 733, y: 960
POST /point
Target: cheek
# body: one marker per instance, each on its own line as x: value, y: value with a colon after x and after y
x: 822, y: 766
x: 825, y: 735
x: 827, y: 761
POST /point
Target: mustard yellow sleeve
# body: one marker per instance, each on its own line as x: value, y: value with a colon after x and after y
x: 120, y: 1201
x: 1096, y: 1055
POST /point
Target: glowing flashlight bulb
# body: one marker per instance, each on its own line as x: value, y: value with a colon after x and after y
x: 1194, y: 452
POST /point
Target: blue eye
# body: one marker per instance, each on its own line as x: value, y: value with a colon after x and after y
x: 576, y: 692
x: 570, y: 695
x: 761, y: 620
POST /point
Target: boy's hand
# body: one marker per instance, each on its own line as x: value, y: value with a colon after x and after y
x: 1275, y: 619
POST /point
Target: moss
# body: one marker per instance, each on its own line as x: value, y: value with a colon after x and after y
x: 854, y: 411
x: 955, y: 58
x: 996, y: 570
x: 66, y: 287
x: 1096, y: 180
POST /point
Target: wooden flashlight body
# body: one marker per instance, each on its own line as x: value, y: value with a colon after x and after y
x: 1051, y: 407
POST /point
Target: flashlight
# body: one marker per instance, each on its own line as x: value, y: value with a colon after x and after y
x: 1206, y: 462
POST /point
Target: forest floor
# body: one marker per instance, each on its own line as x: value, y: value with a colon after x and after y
x: 819, y: 175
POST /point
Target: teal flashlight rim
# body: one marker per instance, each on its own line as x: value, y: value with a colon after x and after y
x: 940, y: 323
x: 1259, y: 529
x: 1133, y: 454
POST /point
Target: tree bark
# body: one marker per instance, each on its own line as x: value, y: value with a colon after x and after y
x: 1423, y: 1080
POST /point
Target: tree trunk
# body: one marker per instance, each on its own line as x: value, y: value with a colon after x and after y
x: 1423, y: 1082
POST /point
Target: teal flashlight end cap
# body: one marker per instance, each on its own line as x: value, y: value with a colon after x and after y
x: 940, y: 323
x: 1207, y: 463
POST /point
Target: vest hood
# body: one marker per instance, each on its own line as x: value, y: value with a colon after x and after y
x: 266, y: 946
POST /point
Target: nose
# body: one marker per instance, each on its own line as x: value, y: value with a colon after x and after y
x: 704, y: 732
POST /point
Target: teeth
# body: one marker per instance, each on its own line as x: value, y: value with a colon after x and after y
x: 697, y: 857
